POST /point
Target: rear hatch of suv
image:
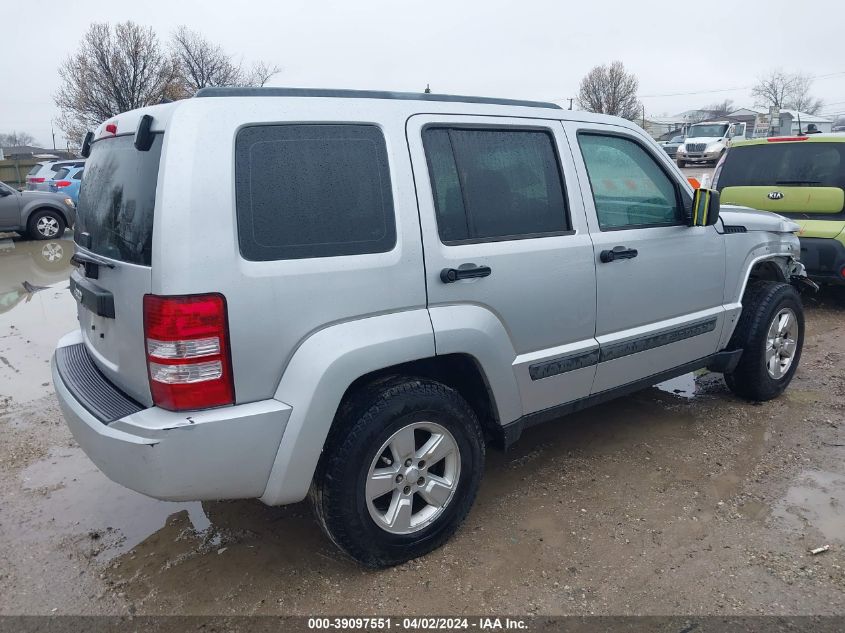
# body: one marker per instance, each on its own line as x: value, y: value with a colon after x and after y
x: 802, y: 178
x: 115, y: 228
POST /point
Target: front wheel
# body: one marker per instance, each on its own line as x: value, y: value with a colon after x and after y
x: 771, y: 334
x: 400, y: 473
x: 682, y: 163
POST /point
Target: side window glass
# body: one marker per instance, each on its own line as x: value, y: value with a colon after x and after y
x: 629, y: 187
x: 495, y: 184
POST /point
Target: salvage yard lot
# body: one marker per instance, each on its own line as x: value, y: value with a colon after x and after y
x: 679, y: 499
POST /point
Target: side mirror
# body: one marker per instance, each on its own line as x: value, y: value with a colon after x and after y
x: 705, y: 207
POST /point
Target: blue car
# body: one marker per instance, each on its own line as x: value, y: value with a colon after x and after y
x: 67, y: 181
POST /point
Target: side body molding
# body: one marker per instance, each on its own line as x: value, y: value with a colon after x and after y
x: 474, y: 330
x: 318, y: 375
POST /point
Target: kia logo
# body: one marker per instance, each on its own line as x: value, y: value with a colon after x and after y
x: 776, y: 195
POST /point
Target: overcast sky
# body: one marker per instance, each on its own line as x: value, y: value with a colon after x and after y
x: 521, y: 49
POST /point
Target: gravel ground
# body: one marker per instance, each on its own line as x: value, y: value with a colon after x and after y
x: 677, y: 500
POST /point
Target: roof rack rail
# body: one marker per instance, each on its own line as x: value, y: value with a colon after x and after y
x: 365, y: 94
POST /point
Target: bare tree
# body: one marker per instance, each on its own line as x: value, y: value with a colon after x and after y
x: 16, y: 139
x: 261, y: 73
x: 610, y: 90
x: 801, y: 99
x: 114, y: 70
x: 786, y: 90
x: 202, y: 64
x: 720, y: 109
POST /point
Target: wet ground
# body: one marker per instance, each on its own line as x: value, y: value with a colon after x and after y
x: 680, y: 499
x: 703, y: 173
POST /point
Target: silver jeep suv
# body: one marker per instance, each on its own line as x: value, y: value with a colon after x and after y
x: 347, y: 293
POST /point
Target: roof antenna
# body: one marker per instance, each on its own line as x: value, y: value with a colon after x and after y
x: 427, y: 89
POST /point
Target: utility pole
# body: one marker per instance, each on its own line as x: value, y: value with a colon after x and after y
x: 427, y: 89
x: 53, y: 132
x: 643, y: 116
x: 570, y: 102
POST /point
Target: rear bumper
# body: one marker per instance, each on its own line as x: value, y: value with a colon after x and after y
x: 824, y: 259
x: 224, y: 453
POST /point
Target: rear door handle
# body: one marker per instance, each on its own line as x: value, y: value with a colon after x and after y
x: 618, y: 252
x: 467, y: 271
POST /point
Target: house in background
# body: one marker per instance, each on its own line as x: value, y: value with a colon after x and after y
x: 788, y: 121
x: 664, y: 127
x: 28, y: 152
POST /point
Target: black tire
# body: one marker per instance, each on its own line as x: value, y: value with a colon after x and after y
x: 54, y: 219
x: 682, y: 164
x: 762, y: 301
x: 365, y: 423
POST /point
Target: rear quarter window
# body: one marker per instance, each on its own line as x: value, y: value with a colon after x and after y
x: 306, y: 191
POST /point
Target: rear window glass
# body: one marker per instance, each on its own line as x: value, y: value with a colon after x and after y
x: 789, y: 164
x: 312, y: 191
x: 117, y: 199
x: 61, y: 174
x: 35, y: 169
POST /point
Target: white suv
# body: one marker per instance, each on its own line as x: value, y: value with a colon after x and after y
x: 351, y: 293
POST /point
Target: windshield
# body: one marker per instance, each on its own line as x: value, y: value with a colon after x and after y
x: 117, y: 199
x: 677, y: 139
x: 700, y: 130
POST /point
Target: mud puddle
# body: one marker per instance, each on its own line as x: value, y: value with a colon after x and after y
x: 36, y: 309
x: 815, y: 502
x: 73, y: 498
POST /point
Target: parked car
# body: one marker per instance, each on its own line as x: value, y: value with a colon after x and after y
x: 802, y: 178
x: 39, y: 215
x: 37, y: 177
x: 707, y: 142
x: 671, y: 146
x: 348, y: 297
x: 67, y: 181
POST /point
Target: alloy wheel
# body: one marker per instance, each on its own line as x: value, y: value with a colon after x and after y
x: 413, y: 477
x: 781, y: 343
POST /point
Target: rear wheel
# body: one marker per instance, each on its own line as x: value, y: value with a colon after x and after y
x: 771, y: 334
x: 45, y: 225
x: 400, y: 472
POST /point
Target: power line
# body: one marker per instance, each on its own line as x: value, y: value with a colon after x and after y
x: 702, y: 92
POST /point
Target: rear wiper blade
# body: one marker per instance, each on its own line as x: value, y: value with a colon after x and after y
x: 798, y: 182
x: 79, y: 258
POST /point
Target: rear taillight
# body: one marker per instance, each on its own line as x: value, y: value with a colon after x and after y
x: 37, y: 180
x: 62, y: 183
x: 187, y: 340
